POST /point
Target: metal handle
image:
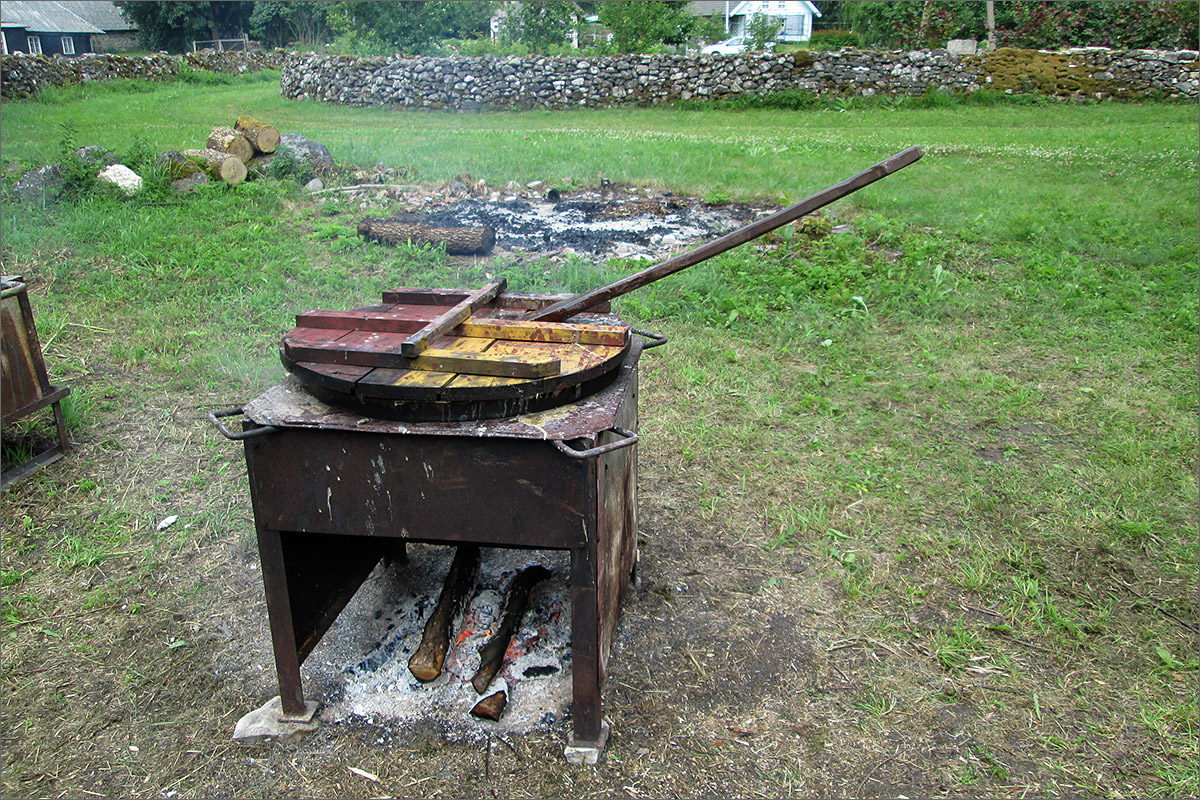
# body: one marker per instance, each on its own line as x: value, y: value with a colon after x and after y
x: 653, y: 339
x: 630, y: 438
x: 237, y: 435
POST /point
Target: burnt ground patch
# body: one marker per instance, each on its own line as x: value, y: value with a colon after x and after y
x: 593, y: 226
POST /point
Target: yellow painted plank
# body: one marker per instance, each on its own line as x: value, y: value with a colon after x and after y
x: 571, y: 357
x: 477, y: 381
x: 510, y: 364
x: 430, y: 379
x: 520, y: 330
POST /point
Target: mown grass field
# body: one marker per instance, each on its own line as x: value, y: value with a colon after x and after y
x: 944, y: 464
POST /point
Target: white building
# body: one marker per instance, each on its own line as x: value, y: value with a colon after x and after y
x: 796, y: 17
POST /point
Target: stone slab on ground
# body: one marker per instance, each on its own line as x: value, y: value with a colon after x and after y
x: 587, y: 752
x: 268, y: 723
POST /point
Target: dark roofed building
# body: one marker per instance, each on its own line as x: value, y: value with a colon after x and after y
x: 67, y: 28
x: 119, y: 33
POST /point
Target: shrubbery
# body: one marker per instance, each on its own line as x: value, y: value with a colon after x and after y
x: 833, y: 40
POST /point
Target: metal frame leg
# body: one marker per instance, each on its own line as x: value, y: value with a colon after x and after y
x: 279, y: 611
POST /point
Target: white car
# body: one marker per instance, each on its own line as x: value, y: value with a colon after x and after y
x: 734, y: 44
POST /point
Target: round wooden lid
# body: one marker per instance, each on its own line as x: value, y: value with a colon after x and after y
x: 410, y: 358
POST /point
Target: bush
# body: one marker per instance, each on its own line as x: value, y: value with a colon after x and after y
x: 833, y: 40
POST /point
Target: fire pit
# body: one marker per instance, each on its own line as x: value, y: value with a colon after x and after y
x: 466, y: 419
x: 334, y: 492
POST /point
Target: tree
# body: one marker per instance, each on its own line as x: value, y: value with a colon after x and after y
x: 174, y: 26
x: 541, y: 25
x: 762, y: 30
x: 638, y: 26
x: 278, y: 24
x: 408, y: 26
x: 1026, y: 23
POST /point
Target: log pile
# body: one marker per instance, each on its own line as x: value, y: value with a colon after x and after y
x: 227, y: 153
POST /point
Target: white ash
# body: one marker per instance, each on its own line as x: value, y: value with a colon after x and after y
x: 360, y: 668
x: 596, y: 227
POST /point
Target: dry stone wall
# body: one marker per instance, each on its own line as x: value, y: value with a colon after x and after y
x: 486, y: 82
x: 544, y: 82
x: 25, y: 75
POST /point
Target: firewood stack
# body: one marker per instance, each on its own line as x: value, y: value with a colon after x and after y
x: 227, y: 152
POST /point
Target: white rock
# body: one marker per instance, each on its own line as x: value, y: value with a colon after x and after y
x: 315, y: 185
x: 122, y: 177
x: 266, y: 723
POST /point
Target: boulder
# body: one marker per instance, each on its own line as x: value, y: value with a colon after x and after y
x: 304, y: 149
x: 188, y: 185
x: 962, y: 47
x: 122, y: 177
x: 41, y: 183
x: 96, y: 155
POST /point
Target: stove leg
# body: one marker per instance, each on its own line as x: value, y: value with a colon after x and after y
x: 589, y: 729
x: 279, y: 611
x: 395, y: 552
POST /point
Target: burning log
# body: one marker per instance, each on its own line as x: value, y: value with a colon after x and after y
x: 426, y: 663
x: 219, y: 166
x: 227, y: 140
x: 459, y: 241
x: 491, y: 655
x: 263, y: 137
x: 491, y: 707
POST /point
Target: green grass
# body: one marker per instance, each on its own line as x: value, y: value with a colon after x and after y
x: 982, y: 396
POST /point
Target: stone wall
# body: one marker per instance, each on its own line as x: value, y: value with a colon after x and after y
x: 24, y: 75
x: 551, y: 82
x: 546, y: 82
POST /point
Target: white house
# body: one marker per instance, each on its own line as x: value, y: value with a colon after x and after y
x: 797, y: 17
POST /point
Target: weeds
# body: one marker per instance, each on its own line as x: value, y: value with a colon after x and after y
x: 957, y: 647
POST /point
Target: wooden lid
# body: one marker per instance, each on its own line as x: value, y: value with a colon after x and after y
x: 393, y: 360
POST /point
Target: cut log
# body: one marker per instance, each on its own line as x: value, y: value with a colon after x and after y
x: 263, y: 137
x: 491, y: 707
x: 227, y: 140
x: 491, y: 655
x: 459, y: 241
x: 220, y: 166
x: 176, y: 164
x: 426, y: 663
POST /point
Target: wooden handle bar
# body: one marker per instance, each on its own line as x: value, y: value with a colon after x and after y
x: 582, y: 302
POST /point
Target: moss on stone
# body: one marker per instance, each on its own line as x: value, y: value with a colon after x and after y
x: 802, y: 59
x: 1052, y: 73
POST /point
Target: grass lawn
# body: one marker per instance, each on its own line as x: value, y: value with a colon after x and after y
x: 919, y: 501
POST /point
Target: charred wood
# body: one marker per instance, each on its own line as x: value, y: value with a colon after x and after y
x: 491, y: 655
x: 492, y: 706
x: 465, y: 240
x: 426, y: 663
